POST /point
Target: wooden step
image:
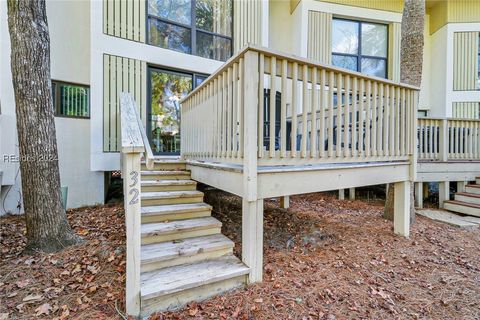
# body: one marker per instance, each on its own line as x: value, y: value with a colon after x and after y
x: 462, y: 207
x: 473, y: 188
x: 175, y: 212
x: 173, y: 287
x: 168, y: 185
x: 179, y: 229
x: 468, y: 197
x: 171, y: 253
x: 166, y: 175
x: 168, y: 164
x: 171, y: 197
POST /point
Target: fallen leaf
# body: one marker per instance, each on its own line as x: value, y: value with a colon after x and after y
x: 193, y: 311
x: 22, y: 283
x: 258, y: 300
x: 43, y: 309
x: 33, y: 297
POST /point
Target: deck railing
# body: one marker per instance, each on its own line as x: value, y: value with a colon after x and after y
x: 448, y: 139
x: 318, y: 113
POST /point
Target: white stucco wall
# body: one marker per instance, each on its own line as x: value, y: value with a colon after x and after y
x: 69, y: 26
x: 280, y: 26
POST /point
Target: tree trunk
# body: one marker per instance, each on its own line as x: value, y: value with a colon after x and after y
x: 411, y: 63
x: 47, y: 226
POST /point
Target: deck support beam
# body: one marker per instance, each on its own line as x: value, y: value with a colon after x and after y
x: 419, y: 195
x: 252, y: 238
x: 401, y: 216
x: 443, y: 192
x: 285, y: 202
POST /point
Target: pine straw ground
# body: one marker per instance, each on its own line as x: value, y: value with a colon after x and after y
x: 324, y: 259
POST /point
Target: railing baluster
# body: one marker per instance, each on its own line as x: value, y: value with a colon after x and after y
x: 235, y: 111
x: 313, y: 131
x: 374, y: 119
x: 241, y: 106
x: 294, y: 109
x: 229, y: 112
x: 304, y: 112
x: 338, y: 131
x: 368, y: 123
x: 331, y: 80
x: 346, y: 118
x: 386, y: 120
x: 322, y: 124
x: 354, y: 133
x: 273, y: 103
x: 393, y: 116
x: 283, y: 111
x: 380, y: 111
x: 361, y: 119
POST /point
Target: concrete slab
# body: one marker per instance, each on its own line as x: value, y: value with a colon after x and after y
x: 449, y: 218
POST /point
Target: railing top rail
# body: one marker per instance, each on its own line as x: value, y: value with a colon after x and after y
x: 134, y: 137
x: 448, y: 119
x: 300, y: 60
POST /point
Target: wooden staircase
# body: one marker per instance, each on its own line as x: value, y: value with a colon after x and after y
x: 184, y: 256
x: 467, y: 202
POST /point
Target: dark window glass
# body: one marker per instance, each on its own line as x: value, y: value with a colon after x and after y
x: 374, y: 67
x: 214, y: 16
x: 345, y: 62
x: 213, y: 47
x: 169, y: 36
x: 199, y: 27
x: 360, y: 46
x: 71, y: 100
x: 174, y: 10
x: 199, y: 79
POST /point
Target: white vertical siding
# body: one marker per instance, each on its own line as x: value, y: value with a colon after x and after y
x: 466, y: 110
x: 121, y: 75
x: 125, y: 19
x: 247, y: 23
x: 465, y: 60
x: 319, y: 46
x: 394, y: 42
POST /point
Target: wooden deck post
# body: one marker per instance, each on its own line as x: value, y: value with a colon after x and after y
x: 461, y: 186
x: 351, y: 193
x: 252, y: 238
x: 252, y: 207
x: 401, y: 215
x: 341, y: 194
x: 131, y: 191
x: 419, y: 194
x: 443, y: 192
x: 285, y: 202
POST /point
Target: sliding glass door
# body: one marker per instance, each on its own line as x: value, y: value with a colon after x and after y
x: 166, y: 89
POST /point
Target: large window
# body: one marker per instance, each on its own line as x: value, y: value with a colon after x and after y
x: 198, y: 27
x: 360, y: 46
x: 71, y: 100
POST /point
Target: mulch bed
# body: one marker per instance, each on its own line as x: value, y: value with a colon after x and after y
x: 324, y: 259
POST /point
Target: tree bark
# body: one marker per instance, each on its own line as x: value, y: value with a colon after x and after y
x: 411, y: 64
x: 47, y: 226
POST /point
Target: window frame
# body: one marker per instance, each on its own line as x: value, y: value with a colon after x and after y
x: 359, y: 55
x: 193, y: 29
x: 56, y: 99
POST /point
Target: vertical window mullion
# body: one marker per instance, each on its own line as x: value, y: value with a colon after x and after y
x: 359, y: 57
x: 194, y: 27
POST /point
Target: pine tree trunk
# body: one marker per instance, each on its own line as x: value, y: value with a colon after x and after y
x: 47, y: 226
x: 411, y: 63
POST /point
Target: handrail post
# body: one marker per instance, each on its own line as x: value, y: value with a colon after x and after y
x: 443, y: 140
x: 252, y: 207
x: 133, y: 145
x: 414, y: 141
x: 132, y: 205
